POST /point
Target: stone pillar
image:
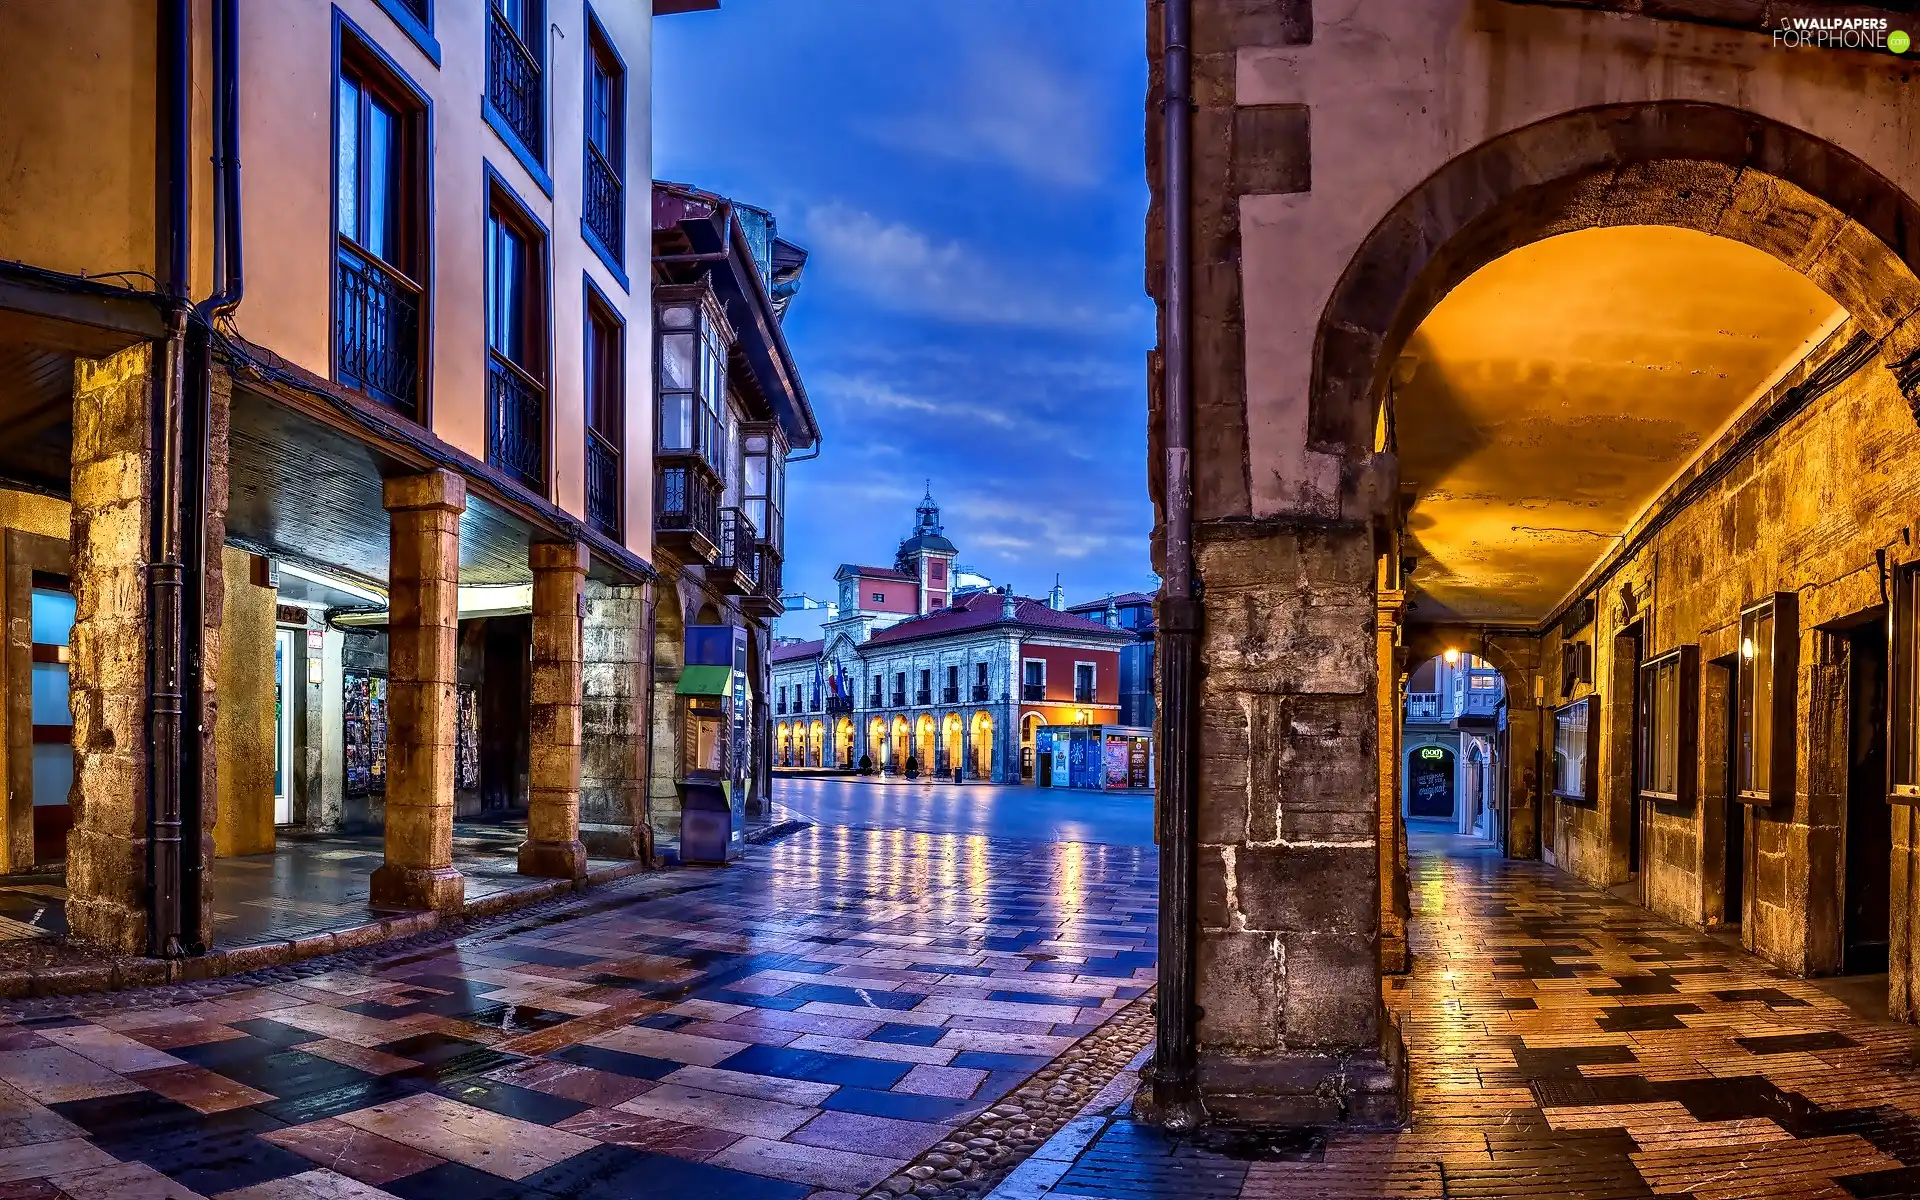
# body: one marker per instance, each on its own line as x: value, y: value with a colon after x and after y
x: 553, y: 848
x: 1388, y: 607
x: 614, y: 713
x: 108, y: 846
x: 1292, y: 1028
x: 423, y: 579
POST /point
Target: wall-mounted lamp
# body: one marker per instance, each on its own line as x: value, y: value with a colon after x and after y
x: 1451, y: 655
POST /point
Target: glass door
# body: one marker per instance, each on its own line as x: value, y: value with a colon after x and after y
x: 283, y: 660
x: 52, y: 626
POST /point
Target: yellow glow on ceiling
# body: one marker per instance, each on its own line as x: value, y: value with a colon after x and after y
x: 1547, y: 399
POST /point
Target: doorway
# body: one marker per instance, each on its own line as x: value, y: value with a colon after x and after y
x: 1721, y: 771
x: 1628, y: 650
x: 283, y: 660
x: 1869, y: 848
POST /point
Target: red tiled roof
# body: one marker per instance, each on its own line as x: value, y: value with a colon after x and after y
x: 1121, y: 601
x: 875, y: 572
x: 798, y: 650
x: 977, y: 610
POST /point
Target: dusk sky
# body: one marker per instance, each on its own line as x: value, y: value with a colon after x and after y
x: 967, y: 175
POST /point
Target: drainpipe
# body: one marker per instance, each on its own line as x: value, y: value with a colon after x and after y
x: 1176, y: 1092
x: 230, y: 284
x: 163, y: 530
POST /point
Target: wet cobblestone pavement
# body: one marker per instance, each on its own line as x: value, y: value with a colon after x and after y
x: 806, y: 1024
x: 1567, y: 1044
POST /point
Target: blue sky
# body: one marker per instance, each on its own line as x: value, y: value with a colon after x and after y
x: 967, y: 176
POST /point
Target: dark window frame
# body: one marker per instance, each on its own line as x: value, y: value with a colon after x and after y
x: 1680, y: 666
x: 603, y: 60
x: 1782, y: 644
x: 598, y: 316
x: 1590, y: 774
x: 504, y: 207
x: 532, y: 41
x: 376, y: 74
x: 1903, y: 691
x: 415, y: 19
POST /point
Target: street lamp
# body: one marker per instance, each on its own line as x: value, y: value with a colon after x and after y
x: 1451, y: 655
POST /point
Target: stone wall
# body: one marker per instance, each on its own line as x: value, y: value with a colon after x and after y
x: 245, y: 741
x: 615, y: 715
x: 1809, y: 509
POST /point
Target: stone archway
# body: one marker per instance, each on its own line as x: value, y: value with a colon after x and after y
x: 816, y: 743
x: 876, y: 743
x: 1707, y: 167
x: 981, y: 741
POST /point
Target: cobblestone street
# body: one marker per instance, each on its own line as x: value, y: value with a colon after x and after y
x: 807, y: 1023
x: 1566, y: 1044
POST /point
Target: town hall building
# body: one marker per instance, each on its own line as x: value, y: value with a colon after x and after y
x: 918, y: 670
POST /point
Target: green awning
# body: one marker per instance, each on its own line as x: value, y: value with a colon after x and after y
x: 705, y: 681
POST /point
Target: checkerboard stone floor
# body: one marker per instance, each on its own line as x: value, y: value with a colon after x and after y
x: 1564, y: 1043
x: 799, y: 1025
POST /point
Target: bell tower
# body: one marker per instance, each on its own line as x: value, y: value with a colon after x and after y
x: 927, y: 555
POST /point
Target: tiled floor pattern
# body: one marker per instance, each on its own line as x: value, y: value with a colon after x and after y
x: 309, y: 884
x: 1566, y: 1044
x: 801, y: 1026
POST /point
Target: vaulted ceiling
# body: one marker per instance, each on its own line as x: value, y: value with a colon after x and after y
x: 1549, y: 398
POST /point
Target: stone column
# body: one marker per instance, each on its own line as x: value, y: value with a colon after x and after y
x: 1292, y: 1028
x: 1388, y: 607
x: 614, y: 713
x: 422, y: 639
x: 108, y: 846
x: 553, y: 848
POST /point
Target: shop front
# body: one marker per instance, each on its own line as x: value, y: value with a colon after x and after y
x: 1100, y: 757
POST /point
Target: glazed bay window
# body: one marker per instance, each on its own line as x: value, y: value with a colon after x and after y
x: 516, y: 343
x: 604, y: 215
x: 1669, y: 726
x: 606, y: 410
x: 1764, y: 714
x: 692, y: 338
x: 516, y: 71
x: 380, y: 260
x: 1573, y: 757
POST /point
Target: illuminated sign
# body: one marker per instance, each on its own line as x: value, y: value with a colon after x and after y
x: 1432, y: 753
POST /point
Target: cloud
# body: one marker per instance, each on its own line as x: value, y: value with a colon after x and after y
x: 1007, y: 108
x: 906, y: 270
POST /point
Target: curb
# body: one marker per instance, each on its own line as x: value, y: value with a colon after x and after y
x: 128, y: 973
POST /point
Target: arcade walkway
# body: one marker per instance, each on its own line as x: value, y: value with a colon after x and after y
x: 1566, y: 1044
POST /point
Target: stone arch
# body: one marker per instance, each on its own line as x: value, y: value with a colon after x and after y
x: 1707, y: 167
x: 876, y: 741
x: 843, y: 754
x: 951, y: 734
x: 924, y: 748
x: 897, y: 745
x: 783, y: 745
x: 981, y: 741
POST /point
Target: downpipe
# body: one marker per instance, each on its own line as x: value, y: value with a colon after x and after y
x: 1174, y: 1094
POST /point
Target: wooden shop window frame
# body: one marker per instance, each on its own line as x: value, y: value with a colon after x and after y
x: 1589, y: 772
x: 1765, y: 690
x: 1670, y: 710
x: 1903, y: 688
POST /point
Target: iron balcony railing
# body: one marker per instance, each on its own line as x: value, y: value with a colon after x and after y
x: 899, y: 699
x: 840, y: 704
x: 687, y: 500
x: 376, y: 332
x: 606, y: 203
x: 514, y: 84
x: 1083, y: 695
x: 981, y: 691
x: 950, y: 694
x: 780, y: 708
x: 603, y: 485
x: 516, y: 422
x: 923, y: 696
x: 1423, y: 706
x: 1033, y: 691
x: 766, y: 572
x: 736, y: 543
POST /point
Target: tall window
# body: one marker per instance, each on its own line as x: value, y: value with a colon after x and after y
x: 606, y: 412
x: 1572, y: 750
x: 763, y: 480
x: 516, y: 342
x: 1034, y: 679
x: 516, y: 74
x: 951, y: 693
x: 1904, y: 696
x: 693, y: 376
x: 925, y: 694
x: 605, y: 215
x: 980, y: 687
x: 1769, y: 659
x: 1083, y: 683
x: 379, y: 202
x: 1669, y: 715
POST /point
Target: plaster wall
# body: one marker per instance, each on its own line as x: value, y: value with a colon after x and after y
x: 1375, y: 97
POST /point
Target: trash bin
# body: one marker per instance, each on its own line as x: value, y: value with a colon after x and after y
x: 956, y: 775
x: 706, y: 822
